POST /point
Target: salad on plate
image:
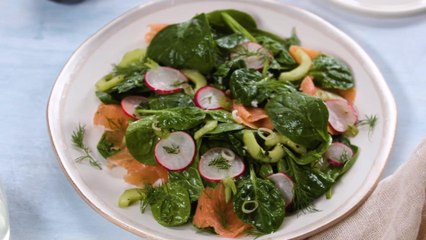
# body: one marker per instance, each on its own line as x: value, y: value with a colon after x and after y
x: 226, y: 126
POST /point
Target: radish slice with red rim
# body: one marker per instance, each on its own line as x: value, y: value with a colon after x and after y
x: 254, y: 55
x: 338, y: 153
x: 175, y: 152
x: 130, y: 103
x: 285, y: 185
x: 210, y: 98
x: 341, y: 114
x: 165, y: 80
x: 219, y: 163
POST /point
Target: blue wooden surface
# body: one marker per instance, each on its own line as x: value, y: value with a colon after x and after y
x: 36, y: 39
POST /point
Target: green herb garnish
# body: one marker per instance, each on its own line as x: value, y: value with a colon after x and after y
x: 221, y: 163
x: 172, y: 149
x: 78, y: 141
x: 370, y: 121
x: 344, y: 157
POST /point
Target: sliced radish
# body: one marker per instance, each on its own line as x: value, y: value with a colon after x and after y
x: 210, y: 98
x: 285, y: 185
x: 165, y: 80
x: 175, y: 152
x: 341, y: 114
x: 254, y: 54
x: 220, y: 163
x: 130, y: 103
x: 338, y: 153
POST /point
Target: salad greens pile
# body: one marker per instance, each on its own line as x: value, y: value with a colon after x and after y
x: 228, y: 60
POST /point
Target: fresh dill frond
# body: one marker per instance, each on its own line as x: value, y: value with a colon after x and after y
x: 370, y: 121
x: 221, y: 163
x: 78, y: 142
x: 172, y: 149
x: 344, y: 157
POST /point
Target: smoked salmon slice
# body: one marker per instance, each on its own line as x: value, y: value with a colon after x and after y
x: 115, y: 121
x: 111, y: 116
x: 251, y: 116
x: 213, y: 211
x: 138, y: 174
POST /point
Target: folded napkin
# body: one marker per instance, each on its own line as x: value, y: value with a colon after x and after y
x: 395, y: 210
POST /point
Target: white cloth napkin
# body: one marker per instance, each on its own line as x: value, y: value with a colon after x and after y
x: 395, y: 210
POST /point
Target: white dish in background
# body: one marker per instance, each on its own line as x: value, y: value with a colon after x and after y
x: 384, y: 7
x: 73, y: 102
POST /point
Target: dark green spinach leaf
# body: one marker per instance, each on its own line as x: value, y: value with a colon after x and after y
x: 185, y: 45
x: 330, y: 72
x: 226, y: 127
x: 221, y: 75
x: 231, y: 41
x: 107, y: 98
x: 310, y: 183
x: 190, y: 179
x: 170, y: 204
x: 131, y: 82
x: 250, y: 88
x: 164, y: 101
x: 141, y: 140
x: 220, y: 115
x: 303, y: 119
x: 287, y: 42
x: 216, y: 20
x: 106, y: 145
x: 179, y: 118
x: 279, y: 51
x: 259, y: 203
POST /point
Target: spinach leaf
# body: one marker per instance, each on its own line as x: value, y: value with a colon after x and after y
x: 243, y: 85
x: 279, y: 51
x: 231, y: 41
x: 312, y: 155
x: 131, y: 71
x: 310, y: 183
x: 249, y: 87
x: 131, y: 82
x: 216, y: 20
x: 287, y: 42
x: 141, y: 140
x: 170, y: 204
x: 303, y: 119
x: 179, y: 118
x: 107, y: 98
x: 336, y: 172
x: 330, y: 72
x: 164, y: 101
x: 190, y: 179
x: 259, y: 203
x: 220, y: 115
x: 226, y: 127
x: 222, y: 73
x: 185, y: 45
x: 110, y: 143
x: 226, y: 139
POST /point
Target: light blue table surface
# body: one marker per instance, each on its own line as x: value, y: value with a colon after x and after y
x: 38, y: 36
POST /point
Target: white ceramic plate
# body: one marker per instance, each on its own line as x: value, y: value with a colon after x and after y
x: 73, y: 102
x: 384, y: 7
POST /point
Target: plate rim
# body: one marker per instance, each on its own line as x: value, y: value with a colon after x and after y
x: 386, y: 97
x: 381, y: 9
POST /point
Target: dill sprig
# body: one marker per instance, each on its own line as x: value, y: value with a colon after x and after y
x: 221, y: 163
x: 78, y: 142
x: 172, y: 149
x: 370, y: 121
